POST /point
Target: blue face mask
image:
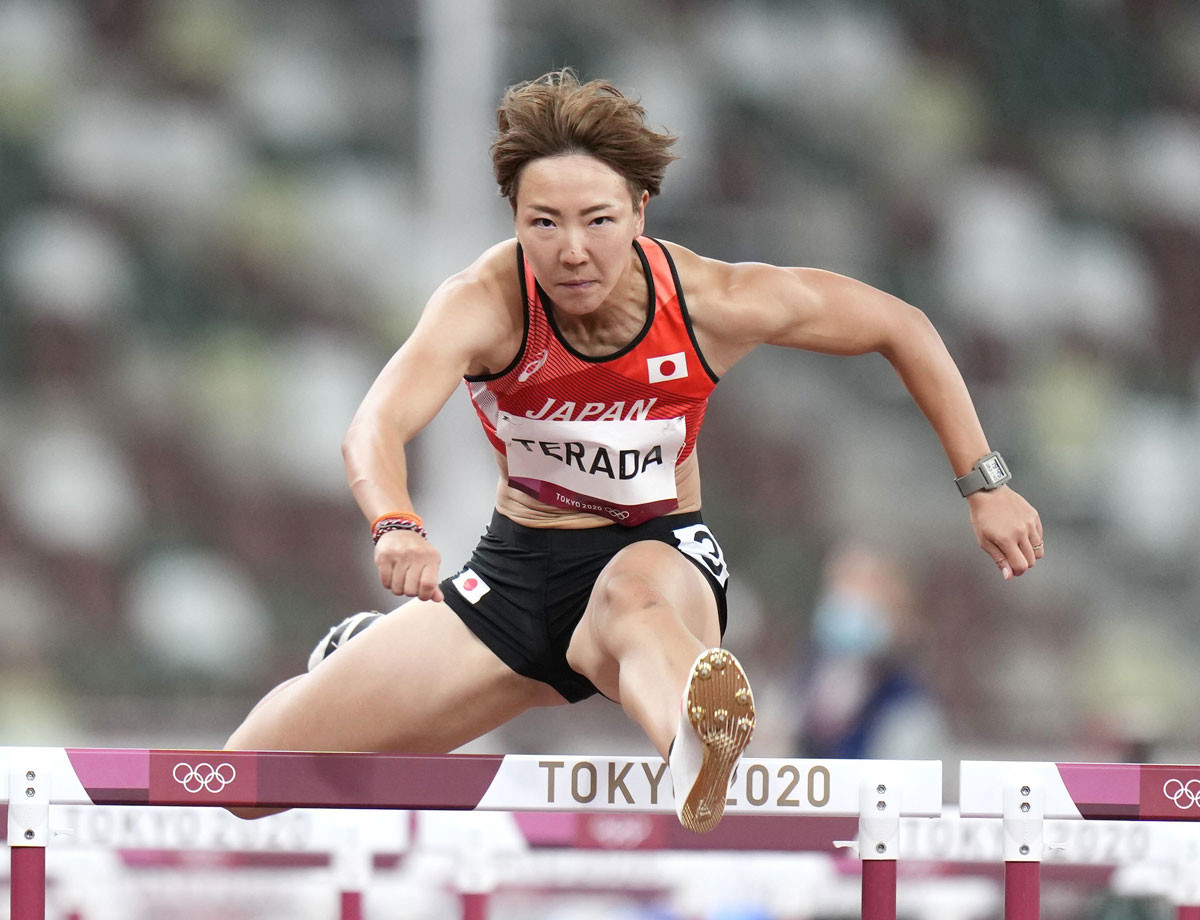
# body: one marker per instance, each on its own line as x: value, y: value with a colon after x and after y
x: 851, y: 626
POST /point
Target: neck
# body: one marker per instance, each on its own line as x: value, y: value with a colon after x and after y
x: 615, y: 322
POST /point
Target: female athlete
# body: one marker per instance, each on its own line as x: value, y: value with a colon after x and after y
x: 589, y: 350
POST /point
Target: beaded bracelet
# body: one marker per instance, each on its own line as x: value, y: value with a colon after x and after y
x: 397, y: 520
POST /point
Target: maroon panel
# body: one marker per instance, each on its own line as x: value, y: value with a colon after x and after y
x: 121, y: 796
x: 1170, y: 793
x: 805, y: 833
x: 296, y: 779
x: 203, y: 777
x: 375, y: 780
x: 118, y: 776
x: 1098, y: 785
x: 608, y: 831
x: 27, y: 895
x: 1022, y: 891
x: 879, y: 889
x: 212, y: 859
x: 352, y: 905
x: 474, y: 905
x: 615, y: 831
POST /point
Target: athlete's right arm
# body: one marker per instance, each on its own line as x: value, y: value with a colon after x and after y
x: 462, y: 326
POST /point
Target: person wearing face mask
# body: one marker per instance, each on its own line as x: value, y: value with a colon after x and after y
x: 865, y: 697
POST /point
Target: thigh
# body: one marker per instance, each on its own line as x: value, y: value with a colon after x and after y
x: 649, y: 572
x: 417, y: 681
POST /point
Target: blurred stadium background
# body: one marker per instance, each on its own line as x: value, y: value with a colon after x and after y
x: 218, y: 219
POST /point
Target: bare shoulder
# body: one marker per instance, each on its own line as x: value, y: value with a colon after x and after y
x: 483, y: 287
x: 735, y: 306
x: 480, y: 308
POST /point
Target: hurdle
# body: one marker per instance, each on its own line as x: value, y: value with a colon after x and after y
x: 877, y: 793
x: 1025, y: 795
x: 331, y: 852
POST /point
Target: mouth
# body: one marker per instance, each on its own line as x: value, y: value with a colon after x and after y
x: 576, y: 285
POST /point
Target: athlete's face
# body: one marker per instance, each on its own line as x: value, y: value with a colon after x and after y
x: 577, y: 222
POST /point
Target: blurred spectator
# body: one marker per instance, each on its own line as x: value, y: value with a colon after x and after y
x: 863, y: 697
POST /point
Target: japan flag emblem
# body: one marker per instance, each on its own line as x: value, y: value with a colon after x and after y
x: 470, y: 585
x: 667, y: 367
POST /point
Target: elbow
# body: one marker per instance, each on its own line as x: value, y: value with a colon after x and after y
x: 912, y: 331
x: 356, y: 435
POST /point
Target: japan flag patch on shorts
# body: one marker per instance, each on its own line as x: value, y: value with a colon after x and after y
x: 470, y: 585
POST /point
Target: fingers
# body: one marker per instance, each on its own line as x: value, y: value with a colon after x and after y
x: 1039, y: 540
x: 1038, y: 548
x: 1009, y: 530
x: 1015, y: 557
x: 421, y: 581
x: 408, y: 566
x: 999, y: 557
x: 411, y: 581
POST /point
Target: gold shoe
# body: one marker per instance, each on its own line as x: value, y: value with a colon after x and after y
x: 716, y: 722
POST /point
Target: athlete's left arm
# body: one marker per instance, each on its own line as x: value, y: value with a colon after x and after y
x: 825, y: 312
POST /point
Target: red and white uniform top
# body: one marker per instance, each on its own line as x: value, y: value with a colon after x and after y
x: 600, y: 434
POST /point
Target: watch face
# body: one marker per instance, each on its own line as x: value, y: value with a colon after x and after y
x: 992, y: 469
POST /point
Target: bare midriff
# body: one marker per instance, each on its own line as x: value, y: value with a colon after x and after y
x: 526, y: 510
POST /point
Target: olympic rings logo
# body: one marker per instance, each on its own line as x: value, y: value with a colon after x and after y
x: 204, y: 776
x: 1184, y: 795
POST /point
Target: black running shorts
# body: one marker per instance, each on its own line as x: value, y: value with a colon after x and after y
x: 526, y: 588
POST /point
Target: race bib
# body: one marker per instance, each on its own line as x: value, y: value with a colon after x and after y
x: 623, y: 470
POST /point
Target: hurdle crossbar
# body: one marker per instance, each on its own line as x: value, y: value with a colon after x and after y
x: 1025, y: 794
x: 878, y: 793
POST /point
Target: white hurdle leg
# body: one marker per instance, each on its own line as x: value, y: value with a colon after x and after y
x: 28, y: 830
x: 1024, y: 821
x: 878, y: 845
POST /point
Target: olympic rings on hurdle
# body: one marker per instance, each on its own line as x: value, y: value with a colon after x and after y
x: 204, y: 776
x: 1184, y: 795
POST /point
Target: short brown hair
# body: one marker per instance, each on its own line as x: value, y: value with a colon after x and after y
x: 556, y: 115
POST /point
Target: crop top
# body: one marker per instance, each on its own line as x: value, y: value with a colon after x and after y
x: 601, y: 434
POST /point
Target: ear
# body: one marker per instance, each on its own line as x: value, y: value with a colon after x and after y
x: 639, y: 215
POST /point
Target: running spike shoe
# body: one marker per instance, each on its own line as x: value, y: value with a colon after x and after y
x: 341, y: 634
x: 716, y: 721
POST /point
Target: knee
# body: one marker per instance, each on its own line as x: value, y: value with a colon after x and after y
x: 630, y: 605
x: 625, y: 593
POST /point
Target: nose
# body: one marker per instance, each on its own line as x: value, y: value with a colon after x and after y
x: 573, y: 252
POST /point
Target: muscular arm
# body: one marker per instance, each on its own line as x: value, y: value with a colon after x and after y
x: 825, y: 312
x: 463, y: 325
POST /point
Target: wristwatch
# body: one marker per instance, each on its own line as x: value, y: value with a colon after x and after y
x: 991, y: 472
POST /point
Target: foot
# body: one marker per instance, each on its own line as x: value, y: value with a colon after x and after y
x: 341, y: 634
x: 715, y: 724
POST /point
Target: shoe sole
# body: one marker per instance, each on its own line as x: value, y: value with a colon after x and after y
x: 720, y: 707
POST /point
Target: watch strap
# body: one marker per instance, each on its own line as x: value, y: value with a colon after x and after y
x: 971, y: 483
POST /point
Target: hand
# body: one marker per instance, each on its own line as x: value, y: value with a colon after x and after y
x: 1008, y: 529
x: 408, y: 565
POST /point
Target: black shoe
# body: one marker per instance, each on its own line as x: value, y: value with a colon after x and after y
x: 341, y: 634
